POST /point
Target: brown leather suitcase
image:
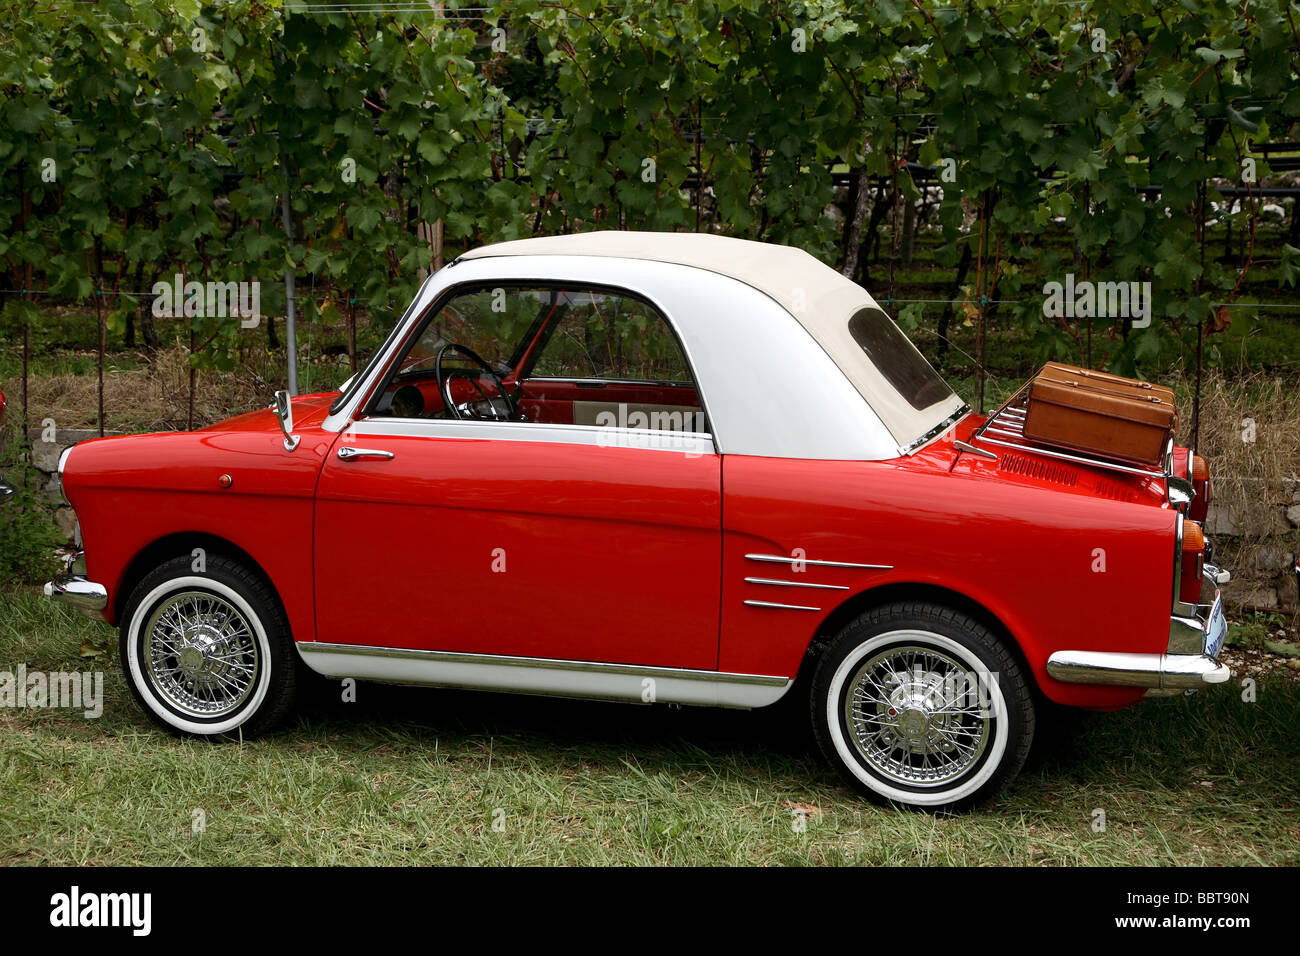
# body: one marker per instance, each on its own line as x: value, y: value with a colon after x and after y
x: 1100, y: 414
x: 1086, y: 376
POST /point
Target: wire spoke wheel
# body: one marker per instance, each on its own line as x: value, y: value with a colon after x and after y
x: 920, y: 705
x: 201, y: 654
x: 918, y: 716
x: 208, y: 653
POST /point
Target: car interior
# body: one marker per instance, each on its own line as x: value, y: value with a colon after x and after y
x: 552, y: 355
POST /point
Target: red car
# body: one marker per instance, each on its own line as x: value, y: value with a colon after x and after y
x: 653, y: 468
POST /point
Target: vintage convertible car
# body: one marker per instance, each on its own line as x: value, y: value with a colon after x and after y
x: 653, y: 468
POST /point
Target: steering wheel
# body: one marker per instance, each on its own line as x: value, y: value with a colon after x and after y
x: 444, y: 385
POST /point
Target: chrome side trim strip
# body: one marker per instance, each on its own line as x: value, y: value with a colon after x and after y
x: 531, y: 675
x: 691, y: 443
x: 796, y: 584
x: 1163, y: 671
x: 783, y: 607
x: 782, y: 559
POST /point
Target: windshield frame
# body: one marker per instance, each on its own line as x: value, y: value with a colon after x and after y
x: 359, y: 377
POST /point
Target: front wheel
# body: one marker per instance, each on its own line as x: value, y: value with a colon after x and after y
x: 920, y: 705
x: 208, y: 653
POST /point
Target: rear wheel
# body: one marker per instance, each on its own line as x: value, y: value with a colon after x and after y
x: 208, y: 653
x: 921, y: 705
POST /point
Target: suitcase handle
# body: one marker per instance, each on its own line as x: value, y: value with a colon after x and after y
x: 1107, y: 377
x: 1150, y: 398
x: 1102, y: 378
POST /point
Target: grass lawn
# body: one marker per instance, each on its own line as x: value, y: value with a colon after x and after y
x: 407, y: 776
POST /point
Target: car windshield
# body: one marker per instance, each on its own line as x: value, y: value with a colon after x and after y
x: 352, y: 384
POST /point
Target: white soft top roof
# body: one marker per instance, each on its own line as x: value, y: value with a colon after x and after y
x: 819, y: 298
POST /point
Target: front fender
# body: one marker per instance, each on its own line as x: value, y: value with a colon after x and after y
x: 239, y: 486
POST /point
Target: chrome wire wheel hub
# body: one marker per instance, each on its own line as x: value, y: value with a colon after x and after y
x: 918, y: 716
x: 201, y: 654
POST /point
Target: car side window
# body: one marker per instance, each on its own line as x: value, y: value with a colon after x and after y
x: 556, y: 355
x: 491, y: 322
x: 611, y: 337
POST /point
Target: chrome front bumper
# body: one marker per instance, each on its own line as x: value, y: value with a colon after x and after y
x: 71, y: 586
x: 1189, y: 660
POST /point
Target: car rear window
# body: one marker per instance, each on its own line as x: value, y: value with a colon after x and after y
x: 902, y: 366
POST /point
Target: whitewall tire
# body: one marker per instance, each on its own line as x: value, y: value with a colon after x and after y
x: 920, y: 705
x: 208, y: 653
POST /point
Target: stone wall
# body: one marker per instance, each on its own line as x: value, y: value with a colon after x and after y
x: 45, y: 458
x: 1257, y: 539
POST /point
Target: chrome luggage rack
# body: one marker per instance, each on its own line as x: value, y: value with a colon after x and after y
x: 1006, y: 427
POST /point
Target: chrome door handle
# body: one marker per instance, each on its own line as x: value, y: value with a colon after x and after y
x: 347, y: 453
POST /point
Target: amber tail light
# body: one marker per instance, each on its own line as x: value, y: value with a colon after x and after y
x: 1193, y: 563
x: 1200, y: 475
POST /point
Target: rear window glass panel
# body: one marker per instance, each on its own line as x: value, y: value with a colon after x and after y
x: 902, y: 366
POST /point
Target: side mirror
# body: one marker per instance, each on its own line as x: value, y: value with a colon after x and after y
x: 284, y: 412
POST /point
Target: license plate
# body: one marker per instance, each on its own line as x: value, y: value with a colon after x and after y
x: 1216, y: 630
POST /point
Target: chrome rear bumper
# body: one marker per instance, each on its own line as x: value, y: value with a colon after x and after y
x: 71, y: 586
x: 1155, y: 671
x: 1191, y: 657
